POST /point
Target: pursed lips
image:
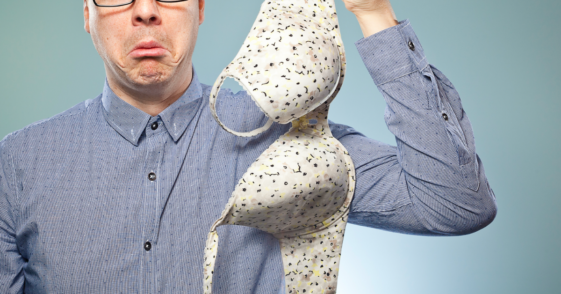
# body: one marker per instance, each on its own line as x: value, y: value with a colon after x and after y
x: 148, y: 49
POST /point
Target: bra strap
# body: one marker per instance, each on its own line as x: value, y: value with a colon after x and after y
x: 212, y: 102
x: 311, y: 261
x: 211, y: 250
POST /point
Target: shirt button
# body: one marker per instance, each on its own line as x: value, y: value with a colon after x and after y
x: 152, y: 176
x: 411, y: 46
x: 445, y: 116
x: 154, y: 126
x: 147, y: 246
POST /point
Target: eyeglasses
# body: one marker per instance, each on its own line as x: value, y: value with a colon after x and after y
x: 117, y: 3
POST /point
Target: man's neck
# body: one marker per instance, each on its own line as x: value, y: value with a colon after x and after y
x: 153, y: 99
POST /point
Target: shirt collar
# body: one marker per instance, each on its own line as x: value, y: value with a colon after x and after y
x: 130, y: 122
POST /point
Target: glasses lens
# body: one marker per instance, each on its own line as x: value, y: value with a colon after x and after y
x: 112, y: 2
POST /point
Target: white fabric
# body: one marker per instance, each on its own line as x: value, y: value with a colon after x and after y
x: 292, y: 64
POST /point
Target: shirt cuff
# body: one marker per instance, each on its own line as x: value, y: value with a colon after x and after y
x: 392, y: 53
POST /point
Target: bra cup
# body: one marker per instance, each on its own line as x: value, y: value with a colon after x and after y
x: 290, y: 63
x: 298, y: 182
x: 311, y: 229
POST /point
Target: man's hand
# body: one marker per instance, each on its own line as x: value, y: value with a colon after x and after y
x: 372, y: 15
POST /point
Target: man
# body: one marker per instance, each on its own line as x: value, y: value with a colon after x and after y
x: 117, y: 194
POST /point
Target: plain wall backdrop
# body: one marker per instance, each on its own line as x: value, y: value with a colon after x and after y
x: 502, y: 57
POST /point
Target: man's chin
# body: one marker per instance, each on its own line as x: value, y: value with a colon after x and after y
x: 150, y: 73
x: 150, y: 78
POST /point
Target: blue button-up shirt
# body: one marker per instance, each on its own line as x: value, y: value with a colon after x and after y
x: 79, y: 212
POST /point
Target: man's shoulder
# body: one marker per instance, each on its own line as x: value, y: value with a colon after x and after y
x: 55, y: 125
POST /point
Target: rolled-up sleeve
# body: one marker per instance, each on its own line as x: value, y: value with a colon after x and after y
x: 11, y: 262
x: 433, y: 181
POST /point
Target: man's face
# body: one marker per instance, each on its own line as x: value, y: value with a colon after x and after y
x: 147, y: 42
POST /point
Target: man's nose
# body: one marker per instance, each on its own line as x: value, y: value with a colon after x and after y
x: 146, y: 12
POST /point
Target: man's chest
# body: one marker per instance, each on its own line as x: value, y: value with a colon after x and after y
x: 113, y: 191
x: 95, y: 206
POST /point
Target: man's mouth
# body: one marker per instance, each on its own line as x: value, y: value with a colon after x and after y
x: 148, y: 49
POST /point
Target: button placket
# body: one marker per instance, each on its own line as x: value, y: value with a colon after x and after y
x: 152, y: 176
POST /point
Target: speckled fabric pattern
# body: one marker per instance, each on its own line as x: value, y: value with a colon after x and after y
x: 290, y: 62
x: 300, y: 189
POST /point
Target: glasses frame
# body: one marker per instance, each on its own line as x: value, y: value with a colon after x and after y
x: 128, y: 3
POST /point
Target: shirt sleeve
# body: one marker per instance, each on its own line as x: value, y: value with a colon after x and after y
x: 11, y: 262
x: 433, y: 181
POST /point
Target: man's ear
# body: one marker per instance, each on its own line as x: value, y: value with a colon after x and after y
x: 201, y: 11
x: 86, y: 16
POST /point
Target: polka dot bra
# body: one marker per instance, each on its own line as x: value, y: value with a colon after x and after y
x: 292, y: 64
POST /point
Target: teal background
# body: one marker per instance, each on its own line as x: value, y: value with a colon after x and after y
x: 502, y: 57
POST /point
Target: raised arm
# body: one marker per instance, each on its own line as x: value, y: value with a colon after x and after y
x: 433, y: 182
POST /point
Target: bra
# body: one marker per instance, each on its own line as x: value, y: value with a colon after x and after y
x: 300, y: 188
